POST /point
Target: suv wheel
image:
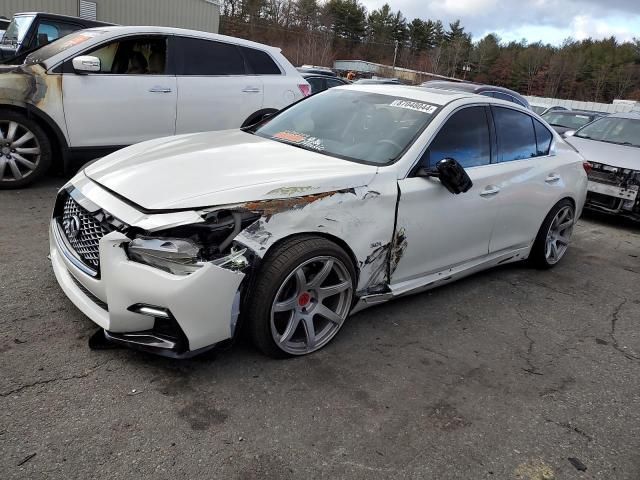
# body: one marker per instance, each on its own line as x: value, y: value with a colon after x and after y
x: 25, y: 150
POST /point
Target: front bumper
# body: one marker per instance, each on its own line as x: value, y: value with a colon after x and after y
x: 205, y: 304
x: 613, y: 199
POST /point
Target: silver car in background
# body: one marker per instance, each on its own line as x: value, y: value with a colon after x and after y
x: 612, y: 146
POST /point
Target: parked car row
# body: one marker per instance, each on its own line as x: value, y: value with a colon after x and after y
x: 101, y: 89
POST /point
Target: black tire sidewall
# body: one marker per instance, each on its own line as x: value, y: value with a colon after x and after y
x: 45, y: 149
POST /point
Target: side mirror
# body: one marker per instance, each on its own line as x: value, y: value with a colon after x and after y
x: 86, y: 64
x: 451, y: 174
x: 569, y: 133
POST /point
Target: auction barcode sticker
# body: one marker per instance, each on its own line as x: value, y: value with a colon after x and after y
x: 417, y: 106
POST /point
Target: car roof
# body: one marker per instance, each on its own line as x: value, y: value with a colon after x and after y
x: 430, y: 95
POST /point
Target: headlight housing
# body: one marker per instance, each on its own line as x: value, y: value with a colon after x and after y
x: 184, y: 250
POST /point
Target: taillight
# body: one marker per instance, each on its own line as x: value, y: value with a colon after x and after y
x: 587, y: 167
x: 305, y: 89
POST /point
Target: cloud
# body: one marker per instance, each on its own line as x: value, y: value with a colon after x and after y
x: 555, y: 18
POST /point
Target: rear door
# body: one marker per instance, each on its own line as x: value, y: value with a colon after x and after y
x: 529, y: 176
x: 215, y: 91
x: 131, y: 99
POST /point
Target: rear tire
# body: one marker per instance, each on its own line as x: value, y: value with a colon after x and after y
x: 554, y: 236
x: 25, y: 150
x: 300, y: 297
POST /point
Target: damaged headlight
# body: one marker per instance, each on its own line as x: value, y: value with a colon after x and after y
x: 185, y: 249
x: 177, y: 256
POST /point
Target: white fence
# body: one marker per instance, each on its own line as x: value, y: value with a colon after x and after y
x: 617, y: 106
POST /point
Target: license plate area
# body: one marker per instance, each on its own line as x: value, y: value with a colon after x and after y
x: 613, y: 191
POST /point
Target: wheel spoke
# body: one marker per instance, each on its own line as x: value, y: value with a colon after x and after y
x: 292, y: 326
x: 29, y: 151
x: 327, y: 313
x: 301, y: 281
x: 554, y: 250
x: 11, y: 132
x: 286, y: 305
x: 17, y: 175
x: 322, y: 274
x: 326, y: 292
x: 24, y: 161
x: 22, y: 140
x: 563, y: 240
x: 309, y: 330
x: 565, y: 225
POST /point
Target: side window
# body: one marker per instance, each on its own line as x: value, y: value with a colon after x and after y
x: 465, y: 137
x: 332, y: 82
x: 516, y: 136
x: 543, y: 138
x: 317, y: 84
x: 260, y: 62
x: 48, y: 31
x: 206, y: 57
x: 139, y: 56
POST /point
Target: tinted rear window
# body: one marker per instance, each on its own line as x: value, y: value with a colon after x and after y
x: 543, y: 138
x: 206, y: 57
x: 516, y: 136
x: 260, y: 62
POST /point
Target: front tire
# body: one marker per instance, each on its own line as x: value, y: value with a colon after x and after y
x: 25, y: 150
x: 552, y: 241
x: 301, y: 297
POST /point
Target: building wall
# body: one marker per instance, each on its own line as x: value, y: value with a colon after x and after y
x: 615, y: 107
x: 194, y: 14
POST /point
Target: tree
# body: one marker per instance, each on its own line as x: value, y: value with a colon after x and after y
x: 348, y: 18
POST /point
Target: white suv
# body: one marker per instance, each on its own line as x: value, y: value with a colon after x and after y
x: 98, y: 90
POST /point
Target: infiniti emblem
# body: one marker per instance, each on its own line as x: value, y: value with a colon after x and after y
x: 72, y: 226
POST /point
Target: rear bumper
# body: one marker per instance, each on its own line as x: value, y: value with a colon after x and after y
x: 203, y: 305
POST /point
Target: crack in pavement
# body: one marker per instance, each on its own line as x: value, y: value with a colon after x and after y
x: 53, y: 380
x: 612, y: 332
x: 568, y: 426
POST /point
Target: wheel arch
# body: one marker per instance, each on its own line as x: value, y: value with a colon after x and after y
x: 59, y: 145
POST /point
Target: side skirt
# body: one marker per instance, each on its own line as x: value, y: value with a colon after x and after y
x: 433, y: 280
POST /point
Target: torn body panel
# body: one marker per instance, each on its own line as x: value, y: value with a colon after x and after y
x: 614, y: 190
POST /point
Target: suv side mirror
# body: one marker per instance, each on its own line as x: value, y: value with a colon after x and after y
x: 86, y: 64
x: 451, y: 174
x: 569, y: 133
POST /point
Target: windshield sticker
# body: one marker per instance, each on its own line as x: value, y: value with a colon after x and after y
x: 582, y: 116
x: 417, y: 106
x: 300, y: 139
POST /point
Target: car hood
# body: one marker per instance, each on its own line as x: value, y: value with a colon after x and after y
x: 221, y: 168
x: 621, y: 156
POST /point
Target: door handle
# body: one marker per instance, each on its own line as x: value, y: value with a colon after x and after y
x: 490, y: 191
x: 552, y: 178
x: 251, y: 90
x: 158, y: 89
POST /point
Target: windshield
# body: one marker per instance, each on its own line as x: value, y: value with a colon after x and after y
x: 62, y: 44
x: 353, y: 125
x: 622, y: 131
x: 17, y: 29
x: 569, y: 120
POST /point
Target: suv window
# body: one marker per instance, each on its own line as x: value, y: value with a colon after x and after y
x: 332, y: 82
x: 50, y: 30
x: 516, y: 136
x: 138, y: 56
x: 206, y: 57
x: 543, y: 138
x: 465, y: 137
x: 317, y: 84
x: 260, y: 62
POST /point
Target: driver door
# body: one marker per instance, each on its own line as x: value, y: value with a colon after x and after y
x: 131, y: 99
x: 443, y: 230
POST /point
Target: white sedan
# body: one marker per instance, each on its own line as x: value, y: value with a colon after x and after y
x: 345, y: 200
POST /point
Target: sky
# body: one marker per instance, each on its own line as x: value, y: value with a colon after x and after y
x: 549, y: 21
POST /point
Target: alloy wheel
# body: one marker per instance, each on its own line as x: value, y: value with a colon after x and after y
x: 311, y: 305
x: 559, y: 234
x: 19, y: 151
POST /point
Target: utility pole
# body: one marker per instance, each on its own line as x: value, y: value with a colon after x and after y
x: 395, y: 56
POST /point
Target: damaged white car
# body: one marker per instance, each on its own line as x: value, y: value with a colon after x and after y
x: 348, y: 199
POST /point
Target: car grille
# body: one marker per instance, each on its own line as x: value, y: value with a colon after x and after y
x: 83, y: 232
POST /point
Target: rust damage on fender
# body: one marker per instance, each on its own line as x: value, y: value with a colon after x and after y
x: 26, y: 84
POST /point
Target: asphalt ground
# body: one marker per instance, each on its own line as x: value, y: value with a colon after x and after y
x: 507, y: 374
